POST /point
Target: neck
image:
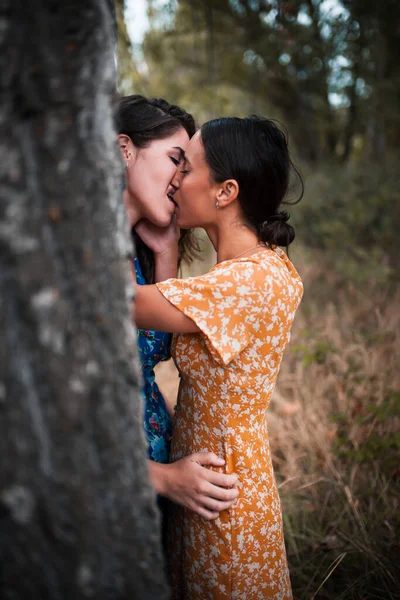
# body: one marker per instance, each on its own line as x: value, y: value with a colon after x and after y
x: 131, y: 208
x: 229, y: 242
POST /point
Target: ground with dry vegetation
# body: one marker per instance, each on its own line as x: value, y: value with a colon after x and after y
x: 334, y: 430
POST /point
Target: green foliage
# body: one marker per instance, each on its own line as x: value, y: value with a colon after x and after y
x: 369, y: 433
x: 353, y: 215
x: 315, y: 351
x: 328, y: 70
x: 342, y: 543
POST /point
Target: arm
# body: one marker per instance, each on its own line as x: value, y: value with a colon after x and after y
x: 190, y: 484
x: 166, y: 264
x: 153, y: 311
x: 163, y: 241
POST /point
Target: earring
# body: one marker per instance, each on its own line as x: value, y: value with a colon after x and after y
x: 217, y: 205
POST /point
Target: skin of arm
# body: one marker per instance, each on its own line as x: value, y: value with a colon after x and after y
x: 185, y: 481
x: 163, y: 241
x: 166, y: 264
x: 153, y: 311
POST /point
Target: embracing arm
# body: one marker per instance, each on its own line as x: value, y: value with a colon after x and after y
x: 153, y: 311
x: 186, y: 481
x: 189, y: 483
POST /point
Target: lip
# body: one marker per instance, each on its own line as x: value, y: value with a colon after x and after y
x: 176, y: 197
x: 171, y: 199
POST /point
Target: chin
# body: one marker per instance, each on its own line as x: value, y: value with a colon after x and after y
x: 183, y: 224
x: 161, y: 220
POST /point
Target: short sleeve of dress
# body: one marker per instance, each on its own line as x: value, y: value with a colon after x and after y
x: 226, y: 304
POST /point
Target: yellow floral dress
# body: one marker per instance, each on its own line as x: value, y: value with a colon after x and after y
x: 244, y: 309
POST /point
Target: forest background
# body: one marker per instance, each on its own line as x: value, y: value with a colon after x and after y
x: 327, y: 70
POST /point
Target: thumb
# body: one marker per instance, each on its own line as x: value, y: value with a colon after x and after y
x: 208, y: 458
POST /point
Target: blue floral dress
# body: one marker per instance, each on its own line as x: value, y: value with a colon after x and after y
x: 154, y: 346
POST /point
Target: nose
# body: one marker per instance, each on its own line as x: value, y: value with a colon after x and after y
x: 176, y: 180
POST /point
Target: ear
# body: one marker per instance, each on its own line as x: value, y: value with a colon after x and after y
x: 128, y: 150
x: 227, y: 192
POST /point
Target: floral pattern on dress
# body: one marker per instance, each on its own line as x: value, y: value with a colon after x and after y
x: 244, y: 309
x: 154, y: 346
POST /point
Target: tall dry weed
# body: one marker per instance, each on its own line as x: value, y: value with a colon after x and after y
x: 335, y: 436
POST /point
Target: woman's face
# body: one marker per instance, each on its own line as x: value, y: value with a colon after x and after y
x: 195, y: 197
x: 149, y: 174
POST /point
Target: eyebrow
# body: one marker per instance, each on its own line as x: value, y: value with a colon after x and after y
x: 182, y: 155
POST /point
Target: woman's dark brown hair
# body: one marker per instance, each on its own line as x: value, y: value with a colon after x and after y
x: 145, y: 120
x: 255, y: 152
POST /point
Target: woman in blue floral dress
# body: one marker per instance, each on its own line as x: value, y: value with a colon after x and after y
x: 153, y: 135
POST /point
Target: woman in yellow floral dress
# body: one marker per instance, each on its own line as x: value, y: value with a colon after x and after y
x: 233, y: 325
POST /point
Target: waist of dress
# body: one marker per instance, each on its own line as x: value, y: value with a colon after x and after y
x: 256, y: 395
x: 245, y: 450
x: 222, y: 412
x: 219, y: 429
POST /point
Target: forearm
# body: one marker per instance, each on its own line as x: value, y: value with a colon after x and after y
x: 166, y: 264
x: 152, y: 311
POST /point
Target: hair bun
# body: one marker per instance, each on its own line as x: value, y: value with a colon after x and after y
x: 275, y: 230
x: 281, y: 217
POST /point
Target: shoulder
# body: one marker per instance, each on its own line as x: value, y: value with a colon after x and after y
x: 255, y: 268
x: 269, y: 268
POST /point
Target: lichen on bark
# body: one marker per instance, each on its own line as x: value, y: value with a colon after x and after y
x: 78, y: 513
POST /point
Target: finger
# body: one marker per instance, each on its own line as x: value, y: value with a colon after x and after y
x: 216, y: 505
x: 201, y: 510
x: 207, y: 458
x: 218, y: 493
x: 222, y: 479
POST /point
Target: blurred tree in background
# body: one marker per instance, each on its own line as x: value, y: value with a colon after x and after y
x: 327, y: 69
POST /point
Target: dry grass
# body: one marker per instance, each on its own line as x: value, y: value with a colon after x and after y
x: 334, y: 431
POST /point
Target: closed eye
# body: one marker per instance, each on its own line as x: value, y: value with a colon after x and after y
x: 185, y: 171
x: 175, y: 161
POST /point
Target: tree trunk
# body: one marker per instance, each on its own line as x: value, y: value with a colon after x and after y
x: 78, y: 518
x: 210, y: 42
x: 350, y: 127
x: 327, y: 112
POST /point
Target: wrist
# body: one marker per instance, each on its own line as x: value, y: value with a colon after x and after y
x: 166, y: 264
x: 160, y: 476
x: 168, y: 252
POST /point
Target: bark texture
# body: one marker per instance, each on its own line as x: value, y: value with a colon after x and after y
x: 77, y: 514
